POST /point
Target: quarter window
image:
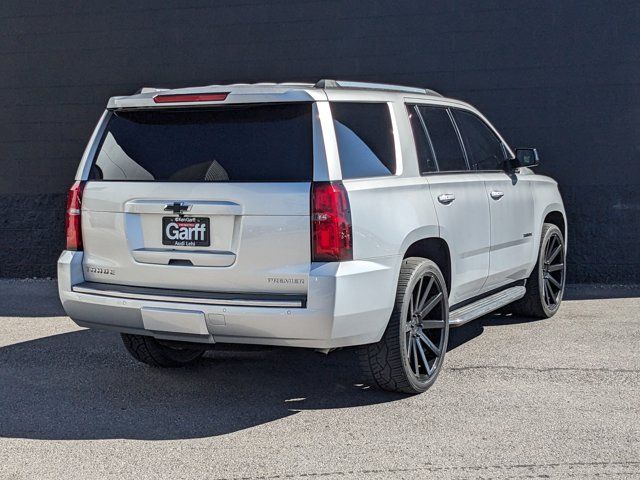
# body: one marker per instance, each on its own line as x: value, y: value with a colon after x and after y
x: 365, y: 139
x: 484, y: 149
x: 444, y: 139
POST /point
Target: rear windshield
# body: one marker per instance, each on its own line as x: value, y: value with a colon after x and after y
x: 257, y: 143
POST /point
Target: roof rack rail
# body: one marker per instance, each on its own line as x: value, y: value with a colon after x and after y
x: 328, y: 83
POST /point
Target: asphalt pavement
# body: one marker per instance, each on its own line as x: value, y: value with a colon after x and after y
x: 556, y: 398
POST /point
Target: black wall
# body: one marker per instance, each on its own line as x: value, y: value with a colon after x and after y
x: 560, y: 75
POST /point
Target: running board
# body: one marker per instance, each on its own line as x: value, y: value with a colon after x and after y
x: 485, y: 305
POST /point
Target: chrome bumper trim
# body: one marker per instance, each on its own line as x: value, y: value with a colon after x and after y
x: 190, y: 296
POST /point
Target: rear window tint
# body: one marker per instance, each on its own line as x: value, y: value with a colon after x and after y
x: 444, y: 139
x: 257, y: 143
x: 365, y: 139
x: 423, y: 149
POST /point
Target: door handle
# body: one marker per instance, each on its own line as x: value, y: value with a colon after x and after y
x: 446, y: 198
x: 496, y: 195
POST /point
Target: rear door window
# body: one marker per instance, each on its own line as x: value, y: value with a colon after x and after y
x: 444, y: 139
x: 248, y: 143
x: 484, y: 148
x: 365, y: 139
x: 426, y: 159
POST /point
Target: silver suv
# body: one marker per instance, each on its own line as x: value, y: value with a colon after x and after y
x: 318, y: 216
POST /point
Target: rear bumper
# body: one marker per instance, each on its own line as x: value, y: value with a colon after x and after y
x: 347, y: 304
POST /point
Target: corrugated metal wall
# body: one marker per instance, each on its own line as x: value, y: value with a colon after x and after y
x: 562, y: 76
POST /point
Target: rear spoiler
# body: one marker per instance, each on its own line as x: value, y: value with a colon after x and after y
x: 237, y: 94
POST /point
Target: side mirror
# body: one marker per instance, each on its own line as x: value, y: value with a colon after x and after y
x: 526, y: 157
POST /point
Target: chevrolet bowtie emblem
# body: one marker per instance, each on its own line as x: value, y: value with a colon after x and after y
x: 176, y: 207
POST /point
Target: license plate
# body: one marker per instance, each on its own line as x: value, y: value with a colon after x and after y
x: 186, y: 231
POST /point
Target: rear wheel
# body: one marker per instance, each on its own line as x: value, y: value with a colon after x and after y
x: 545, y: 286
x: 148, y: 350
x: 411, y: 352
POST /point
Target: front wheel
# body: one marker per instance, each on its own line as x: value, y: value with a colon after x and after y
x: 545, y: 285
x: 411, y: 352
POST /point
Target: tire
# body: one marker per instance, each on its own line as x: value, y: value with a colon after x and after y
x: 545, y: 285
x: 397, y: 362
x: 148, y: 350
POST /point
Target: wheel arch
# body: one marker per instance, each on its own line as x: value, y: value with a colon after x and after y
x: 549, y: 212
x: 435, y: 249
x: 556, y: 217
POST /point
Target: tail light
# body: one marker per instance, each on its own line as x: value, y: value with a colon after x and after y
x: 331, y: 235
x: 73, y: 216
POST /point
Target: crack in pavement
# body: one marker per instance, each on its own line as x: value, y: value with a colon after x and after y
x: 542, y: 369
x: 435, y: 468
